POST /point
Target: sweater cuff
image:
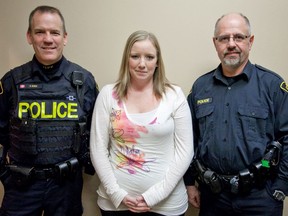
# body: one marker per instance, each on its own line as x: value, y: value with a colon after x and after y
x: 117, y: 197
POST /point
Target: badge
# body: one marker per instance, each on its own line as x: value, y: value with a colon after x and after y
x: 1, y: 88
x: 204, y: 101
x: 284, y: 86
x: 30, y: 86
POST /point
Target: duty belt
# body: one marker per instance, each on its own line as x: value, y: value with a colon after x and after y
x: 255, y: 175
x: 23, y: 175
x: 229, y: 182
x: 44, y: 173
x: 241, y: 183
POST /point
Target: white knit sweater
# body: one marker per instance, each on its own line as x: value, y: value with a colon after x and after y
x: 147, y: 159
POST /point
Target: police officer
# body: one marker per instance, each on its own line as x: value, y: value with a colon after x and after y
x: 240, y: 123
x: 45, y: 114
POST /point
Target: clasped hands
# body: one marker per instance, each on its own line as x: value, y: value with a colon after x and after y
x: 135, y: 204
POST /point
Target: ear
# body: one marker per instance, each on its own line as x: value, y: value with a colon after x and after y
x: 65, y: 39
x: 29, y: 37
x: 251, y: 40
x: 214, y: 41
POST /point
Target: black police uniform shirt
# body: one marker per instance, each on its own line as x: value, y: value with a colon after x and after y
x: 48, y: 95
x: 234, y: 120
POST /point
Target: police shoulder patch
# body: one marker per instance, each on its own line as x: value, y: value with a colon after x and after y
x: 1, y: 88
x: 284, y: 86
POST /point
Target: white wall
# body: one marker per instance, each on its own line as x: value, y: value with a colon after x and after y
x: 98, y: 29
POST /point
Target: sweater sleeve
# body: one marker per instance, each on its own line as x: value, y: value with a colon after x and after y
x: 183, y: 152
x: 99, y: 144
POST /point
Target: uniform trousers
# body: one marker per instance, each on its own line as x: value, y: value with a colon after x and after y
x: 257, y: 202
x: 43, y: 197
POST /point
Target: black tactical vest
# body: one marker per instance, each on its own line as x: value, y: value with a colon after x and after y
x: 44, y: 126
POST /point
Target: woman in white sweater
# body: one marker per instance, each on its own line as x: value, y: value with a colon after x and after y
x: 141, y: 136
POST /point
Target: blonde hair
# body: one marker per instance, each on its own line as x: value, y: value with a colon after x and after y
x: 160, y: 82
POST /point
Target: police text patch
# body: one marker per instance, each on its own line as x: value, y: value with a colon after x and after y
x: 204, y: 101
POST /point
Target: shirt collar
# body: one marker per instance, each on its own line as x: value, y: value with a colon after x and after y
x: 37, y: 70
x: 246, y: 74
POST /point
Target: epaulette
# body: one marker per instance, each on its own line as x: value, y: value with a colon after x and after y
x: 267, y: 70
x: 21, y: 73
x: 262, y: 68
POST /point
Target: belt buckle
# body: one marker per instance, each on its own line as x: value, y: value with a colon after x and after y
x: 44, y: 173
x: 49, y: 172
x: 234, y: 182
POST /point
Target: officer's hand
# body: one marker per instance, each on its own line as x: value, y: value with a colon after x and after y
x: 193, y: 196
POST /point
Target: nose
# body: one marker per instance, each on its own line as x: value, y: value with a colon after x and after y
x: 231, y: 41
x: 142, y: 62
x: 47, y: 37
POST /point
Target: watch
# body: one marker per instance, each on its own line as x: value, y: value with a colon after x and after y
x: 279, y: 195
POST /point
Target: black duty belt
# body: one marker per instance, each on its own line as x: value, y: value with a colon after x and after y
x: 242, y: 183
x: 45, y: 173
x: 23, y: 175
x: 255, y: 175
x: 230, y: 183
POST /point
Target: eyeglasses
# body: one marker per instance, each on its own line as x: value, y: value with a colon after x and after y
x: 237, y: 38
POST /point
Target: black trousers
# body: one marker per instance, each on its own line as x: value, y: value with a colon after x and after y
x: 129, y: 213
x: 257, y: 202
x: 43, y: 197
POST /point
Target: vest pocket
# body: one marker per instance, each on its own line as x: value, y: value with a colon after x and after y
x: 23, y: 135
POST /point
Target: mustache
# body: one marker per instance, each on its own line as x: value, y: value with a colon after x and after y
x: 229, y: 51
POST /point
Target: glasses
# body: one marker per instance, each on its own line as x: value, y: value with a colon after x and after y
x: 237, y: 38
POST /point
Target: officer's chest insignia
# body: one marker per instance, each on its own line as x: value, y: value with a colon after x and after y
x: 71, y: 98
x: 284, y: 86
x: 204, y: 101
x: 30, y: 86
x: 1, y: 88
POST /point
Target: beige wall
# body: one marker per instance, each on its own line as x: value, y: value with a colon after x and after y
x: 98, y: 29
